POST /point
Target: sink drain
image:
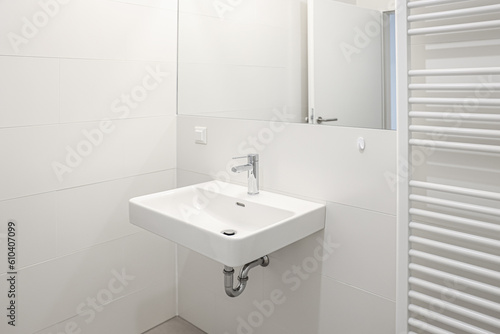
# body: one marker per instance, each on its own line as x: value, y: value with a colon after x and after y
x: 229, y: 232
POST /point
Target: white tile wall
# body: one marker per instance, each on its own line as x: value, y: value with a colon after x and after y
x: 54, y: 291
x: 77, y: 63
x: 140, y: 308
x: 47, y: 158
x: 133, y: 147
x: 29, y: 91
x: 353, y: 289
x: 95, y: 89
x: 366, y: 238
x: 63, y: 222
x: 37, y: 230
x: 112, y: 30
x: 29, y: 153
x: 346, y: 309
x: 97, y: 213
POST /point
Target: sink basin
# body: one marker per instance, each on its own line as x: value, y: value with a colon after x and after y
x: 221, y: 221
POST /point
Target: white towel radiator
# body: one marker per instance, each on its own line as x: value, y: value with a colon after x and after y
x: 449, y: 166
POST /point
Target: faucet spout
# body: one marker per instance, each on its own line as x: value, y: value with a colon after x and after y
x: 242, y: 168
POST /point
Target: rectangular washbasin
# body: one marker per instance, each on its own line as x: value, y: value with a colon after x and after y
x: 221, y: 221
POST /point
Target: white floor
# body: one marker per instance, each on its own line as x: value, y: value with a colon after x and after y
x: 175, y: 326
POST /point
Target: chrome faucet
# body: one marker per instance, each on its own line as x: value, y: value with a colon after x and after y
x: 252, y: 167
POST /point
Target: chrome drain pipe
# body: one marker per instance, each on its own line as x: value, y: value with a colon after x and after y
x: 242, y: 278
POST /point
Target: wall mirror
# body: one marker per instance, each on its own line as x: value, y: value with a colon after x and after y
x: 248, y: 59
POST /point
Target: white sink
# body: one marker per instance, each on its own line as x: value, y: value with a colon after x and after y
x: 196, y: 216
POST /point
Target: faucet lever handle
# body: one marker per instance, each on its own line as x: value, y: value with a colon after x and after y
x: 249, y: 156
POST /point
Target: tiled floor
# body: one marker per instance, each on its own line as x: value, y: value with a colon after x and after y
x: 175, y: 326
